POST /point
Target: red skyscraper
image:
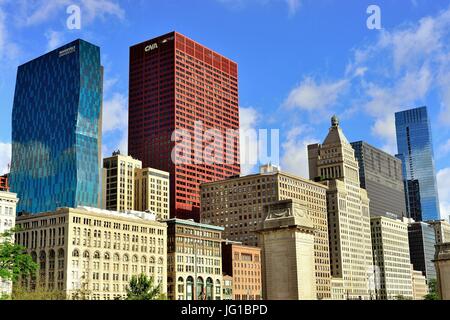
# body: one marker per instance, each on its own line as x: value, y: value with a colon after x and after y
x: 176, y: 84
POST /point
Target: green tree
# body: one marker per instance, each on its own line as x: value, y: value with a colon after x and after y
x: 432, y: 290
x: 24, y: 293
x: 144, y: 288
x: 14, y: 260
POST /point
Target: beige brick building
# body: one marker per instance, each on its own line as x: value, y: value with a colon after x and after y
x: 419, y: 284
x: 8, y: 202
x: 334, y: 163
x: 237, y: 204
x: 93, y: 252
x: 152, y: 192
x: 441, y: 230
x: 243, y: 263
x: 391, y: 258
x: 119, y: 185
x: 287, y: 241
x: 194, y: 259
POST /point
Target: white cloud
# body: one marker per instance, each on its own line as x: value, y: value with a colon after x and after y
x: 292, y: 5
x: 248, y: 118
x: 54, y: 39
x: 5, y: 157
x: 8, y: 48
x: 115, y: 113
x: 312, y: 96
x: 295, y: 152
x: 443, y: 178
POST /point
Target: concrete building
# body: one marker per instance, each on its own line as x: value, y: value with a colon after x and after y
x: 237, y: 204
x: 8, y: 203
x: 419, y: 284
x: 243, y: 263
x: 442, y: 262
x: 94, y: 252
x: 391, y: 258
x: 381, y: 175
x: 227, y: 287
x: 441, y: 230
x: 287, y: 242
x: 422, y: 240
x: 334, y: 164
x: 152, y: 192
x: 194, y: 256
x: 119, y: 184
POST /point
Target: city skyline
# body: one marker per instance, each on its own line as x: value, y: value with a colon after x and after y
x: 266, y: 101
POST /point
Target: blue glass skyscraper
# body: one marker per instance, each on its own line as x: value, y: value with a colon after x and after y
x: 56, y: 129
x: 415, y: 148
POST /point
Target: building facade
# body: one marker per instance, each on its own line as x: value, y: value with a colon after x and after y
x: 227, y: 288
x: 381, y: 175
x: 422, y: 242
x: 415, y: 149
x: 59, y: 96
x: 243, y: 263
x: 4, y: 186
x: 237, y: 204
x: 93, y: 253
x: 178, y: 84
x: 442, y: 263
x: 194, y: 256
x: 334, y: 164
x: 287, y: 242
x: 419, y: 284
x: 8, y: 203
x: 391, y: 258
x: 441, y: 230
x: 120, y: 181
x: 152, y: 192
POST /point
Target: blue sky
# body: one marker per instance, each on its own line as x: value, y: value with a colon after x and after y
x: 300, y: 61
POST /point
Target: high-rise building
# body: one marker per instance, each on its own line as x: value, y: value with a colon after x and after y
x: 422, y: 240
x: 152, y: 192
x: 334, y: 163
x: 93, y: 253
x: 194, y: 259
x: 391, y: 258
x: 442, y: 264
x: 243, y: 264
x: 287, y: 242
x: 415, y: 149
x: 381, y: 175
x: 441, y: 230
x: 120, y: 181
x: 56, y: 129
x: 237, y: 204
x: 8, y: 203
x: 4, y: 186
x: 178, y: 84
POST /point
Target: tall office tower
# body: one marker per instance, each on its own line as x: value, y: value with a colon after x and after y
x: 441, y: 230
x: 243, y: 264
x: 237, y: 204
x: 152, y: 192
x: 334, y: 164
x: 178, y: 84
x: 8, y: 203
x: 93, y: 252
x: 381, y: 175
x: 391, y: 258
x: 120, y: 181
x: 422, y: 240
x: 56, y: 129
x: 194, y: 260
x: 415, y: 149
x: 287, y: 241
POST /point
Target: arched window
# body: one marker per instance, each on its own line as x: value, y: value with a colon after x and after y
x: 60, y: 253
x: 125, y: 258
x: 86, y: 254
x: 200, y: 289
x: 34, y: 256
x: 209, y: 289
x: 160, y: 261
x: 52, y: 254
x: 135, y: 259
x: 106, y: 256
x: 152, y: 260
x: 75, y: 253
x: 189, y: 288
x: 143, y: 260
x: 116, y: 257
x: 96, y: 255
